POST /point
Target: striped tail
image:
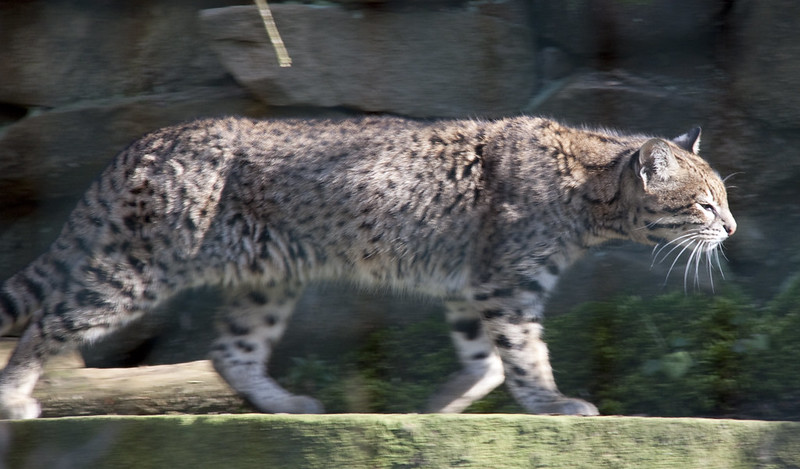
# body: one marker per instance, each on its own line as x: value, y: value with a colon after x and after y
x: 23, y: 294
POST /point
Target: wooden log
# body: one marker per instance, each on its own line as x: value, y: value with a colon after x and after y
x: 67, y: 388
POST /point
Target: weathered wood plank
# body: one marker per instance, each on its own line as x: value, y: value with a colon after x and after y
x: 67, y: 388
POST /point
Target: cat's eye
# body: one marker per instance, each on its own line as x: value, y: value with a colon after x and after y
x: 708, y: 208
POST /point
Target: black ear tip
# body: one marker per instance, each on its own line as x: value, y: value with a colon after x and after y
x: 690, y: 141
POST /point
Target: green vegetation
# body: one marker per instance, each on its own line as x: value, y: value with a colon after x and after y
x: 394, y: 370
x: 672, y: 355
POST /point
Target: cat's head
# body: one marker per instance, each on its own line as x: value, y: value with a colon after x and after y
x: 678, y: 199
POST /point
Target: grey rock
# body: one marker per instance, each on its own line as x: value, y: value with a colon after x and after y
x: 58, y: 52
x: 429, y: 63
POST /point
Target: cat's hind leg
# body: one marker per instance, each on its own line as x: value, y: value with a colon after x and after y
x: 60, y: 328
x: 20, y: 375
x: 482, y: 369
x: 251, y: 326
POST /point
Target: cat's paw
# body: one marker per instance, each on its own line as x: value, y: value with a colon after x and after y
x: 300, y: 405
x: 567, y: 406
x: 19, y: 407
x: 291, y: 405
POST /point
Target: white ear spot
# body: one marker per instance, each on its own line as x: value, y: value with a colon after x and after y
x: 656, y: 161
x: 690, y: 141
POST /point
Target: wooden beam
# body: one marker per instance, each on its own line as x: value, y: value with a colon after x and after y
x: 68, y: 389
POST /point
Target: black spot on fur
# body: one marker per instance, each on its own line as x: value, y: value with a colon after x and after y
x: 531, y: 285
x: 255, y: 267
x: 236, y: 218
x: 84, y: 245
x: 244, y: 346
x: 660, y: 226
x: 519, y: 371
x: 492, y: 313
x: 481, y: 297
x: 149, y: 295
x: 503, y: 342
x: 35, y: 288
x: 8, y: 305
x: 479, y: 356
x: 503, y: 292
x: 62, y: 267
x: 136, y: 263
x: 61, y: 309
x: 237, y: 329
x: 131, y: 222
x: 469, y: 327
x: 88, y: 297
x: 258, y: 298
x: 264, y: 237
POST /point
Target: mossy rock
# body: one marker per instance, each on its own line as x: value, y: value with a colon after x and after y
x: 398, y: 441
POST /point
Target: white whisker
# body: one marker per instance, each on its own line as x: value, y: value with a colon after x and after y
x: 661, y: 247
x: 717, y: 250
x: 674, y: 262
x: 722, y: 251
x: 678, y: 242
x: 692, y: 256
x: 710, y: 268
x: 725, y: 179
x: 665, y: 256
x: 703, y: 253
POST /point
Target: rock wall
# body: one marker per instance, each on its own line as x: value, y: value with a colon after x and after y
x: 80, y: 79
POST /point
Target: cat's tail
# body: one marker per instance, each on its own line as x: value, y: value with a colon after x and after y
x: 9, y: 310
x: 21, y: 295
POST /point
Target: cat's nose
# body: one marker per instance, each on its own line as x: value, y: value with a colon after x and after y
x: 730, y: 226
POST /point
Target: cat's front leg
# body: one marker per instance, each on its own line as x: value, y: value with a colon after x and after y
x: 516, y: 330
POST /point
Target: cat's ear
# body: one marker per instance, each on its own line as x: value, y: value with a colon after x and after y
x: 690, y: 141
x: 655, y: 162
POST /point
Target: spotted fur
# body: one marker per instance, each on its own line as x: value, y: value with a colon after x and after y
x: 486, y: 215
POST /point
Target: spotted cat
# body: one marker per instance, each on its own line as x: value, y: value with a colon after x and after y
x: 483, y: 214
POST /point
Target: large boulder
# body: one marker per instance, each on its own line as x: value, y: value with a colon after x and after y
x: 421, y: 63
x: 58, y: 52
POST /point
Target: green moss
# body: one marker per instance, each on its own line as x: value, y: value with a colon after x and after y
x: 400, y: 441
